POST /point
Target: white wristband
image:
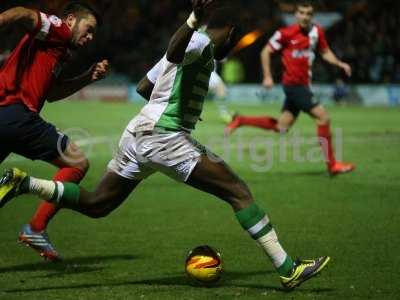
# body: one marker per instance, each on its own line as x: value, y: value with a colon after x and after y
x: 192, y: 21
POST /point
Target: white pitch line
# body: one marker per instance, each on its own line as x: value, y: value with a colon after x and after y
x: 94, y: 140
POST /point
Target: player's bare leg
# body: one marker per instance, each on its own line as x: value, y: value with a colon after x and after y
x: 286, y: 121
x: 73, y: 166
x: 324, y: 133
x: 216, y: 178
x: 320, y: 115
x: 109, y: 194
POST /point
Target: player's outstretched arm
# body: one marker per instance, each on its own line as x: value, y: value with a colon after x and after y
x: 266, y: 53
x: 25, y: 17
x: 66, y: 87
x: 331, y: 58
x: 181, y: 38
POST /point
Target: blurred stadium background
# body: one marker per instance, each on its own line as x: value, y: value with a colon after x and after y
x: 136, y: 33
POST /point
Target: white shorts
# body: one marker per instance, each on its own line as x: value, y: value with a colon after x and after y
x: 139, y: 156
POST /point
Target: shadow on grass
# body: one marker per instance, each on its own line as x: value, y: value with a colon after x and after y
x: 68, y: 266
x: 178, y: 281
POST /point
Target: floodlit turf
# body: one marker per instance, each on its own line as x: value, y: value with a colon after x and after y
x: 138, y: 251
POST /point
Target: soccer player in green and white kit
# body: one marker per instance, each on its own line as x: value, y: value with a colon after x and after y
x: 158, y: 139
x: 216, y: 87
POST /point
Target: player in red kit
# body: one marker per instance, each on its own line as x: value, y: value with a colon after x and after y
x: 29, y: 77
x: 298, y: 44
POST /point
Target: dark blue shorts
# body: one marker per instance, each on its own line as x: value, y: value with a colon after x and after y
x: 25, y: 133
x: 298, y: 98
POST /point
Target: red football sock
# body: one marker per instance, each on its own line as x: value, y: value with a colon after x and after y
x: 46, y: 210
x: 259, y: 122
x: 324, y: 134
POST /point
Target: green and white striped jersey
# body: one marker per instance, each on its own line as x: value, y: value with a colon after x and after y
x: 178, y: 95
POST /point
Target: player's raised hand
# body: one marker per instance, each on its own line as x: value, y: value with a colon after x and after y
x: 199, y: 12
x: 347, y: 69
x: 99, y: 70
x: 268, y: 83
x: 200, y: 7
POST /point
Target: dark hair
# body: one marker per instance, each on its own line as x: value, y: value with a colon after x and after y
x: 81, y: 9
x: 304, y: 3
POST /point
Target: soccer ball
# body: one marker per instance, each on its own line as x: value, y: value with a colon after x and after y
x: 204, y: 264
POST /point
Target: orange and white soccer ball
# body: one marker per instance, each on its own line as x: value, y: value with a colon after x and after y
x: 204, y: 264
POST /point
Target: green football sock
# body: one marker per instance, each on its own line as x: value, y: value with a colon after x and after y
x: 65, y: 194
x: 286, y: 268
x: 70, y: 194
x: 257, y: 224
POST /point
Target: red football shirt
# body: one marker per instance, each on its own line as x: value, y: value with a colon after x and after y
x: 298, y: 52
x: 27, y: 74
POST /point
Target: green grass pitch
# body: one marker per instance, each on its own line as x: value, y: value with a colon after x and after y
x: 138, y: 252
